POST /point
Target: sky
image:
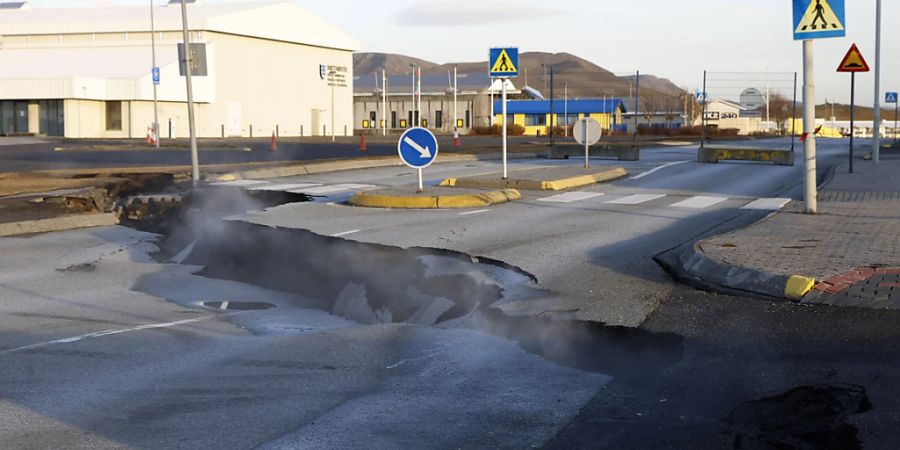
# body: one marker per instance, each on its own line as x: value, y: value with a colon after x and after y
x: 677, y: 40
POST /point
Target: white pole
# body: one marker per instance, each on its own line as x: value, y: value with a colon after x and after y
x: 809, y: 124
x: 491, y: 93
x: 195, y: 160
x: 332, y: 75
x: 876, y: 137
x: 455, y: 89
x: 566, y: 109
x: 383, y: 102
x: 413, y: 107
x: 419, y: 96
x: 503, y: 124
x: 153, y: 50
x: 421, y: 187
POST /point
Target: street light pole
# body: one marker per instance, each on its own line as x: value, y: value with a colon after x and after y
x: 153, y: 51
x: 384, y: 102
x: 195, y: 160
x: 331, y: 76
x: 809, y: 128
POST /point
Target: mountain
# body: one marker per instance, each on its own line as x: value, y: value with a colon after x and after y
x: 583, y: 78
x: 842, y: 112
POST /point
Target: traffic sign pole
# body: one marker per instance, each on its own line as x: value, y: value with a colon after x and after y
x: 876, y: 126
x: 421, y: 185
x: 504, y: 125
x: 852, y: 113
x: 156, y: 75
x: 809, y: 122
x: 418, y: 148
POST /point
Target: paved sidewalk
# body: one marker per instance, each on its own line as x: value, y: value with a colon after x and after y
x: 852, y: 248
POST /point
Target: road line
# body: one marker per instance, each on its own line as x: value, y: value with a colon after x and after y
x: 636, y: 199
x: 346, y: 233
x: 98, y: 334
x: 469, y: 213
x: 570, y: 197
x: 241, y: 183
x: 767, y: 204
x: 664, y: 166
x: 700, y: 202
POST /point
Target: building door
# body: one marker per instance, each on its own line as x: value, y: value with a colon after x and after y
x: 439, y: 119
x: 316, y: 123
x: 7, y: 117
x: 21, y: 122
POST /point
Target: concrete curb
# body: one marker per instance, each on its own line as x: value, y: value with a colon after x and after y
x: 310, y: 168
x: 58, y: 224
x: 366, y: 200
x: 692, y: 266
x: 535, y: 185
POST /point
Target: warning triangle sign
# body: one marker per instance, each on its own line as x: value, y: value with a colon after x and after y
x: 819, y: 16
x: 854, y: 61
x: 503, y: 64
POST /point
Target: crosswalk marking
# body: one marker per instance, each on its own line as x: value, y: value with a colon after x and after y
x: 768, y: 204
x: 635, y: 199
x: 570, y: 197
x: 699, y: 202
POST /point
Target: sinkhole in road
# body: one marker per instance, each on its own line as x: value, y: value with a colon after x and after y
x: 378, y: 284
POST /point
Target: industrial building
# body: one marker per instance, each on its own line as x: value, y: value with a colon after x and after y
x: 258, y: 68
x: 537, y: 115
x: 433, y: 107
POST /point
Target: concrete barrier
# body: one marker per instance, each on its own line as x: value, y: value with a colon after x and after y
x: 716, y: 153
x: 620, y: 151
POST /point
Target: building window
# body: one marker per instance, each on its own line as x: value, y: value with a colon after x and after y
x: 467, y: 119
x: 113, y: 116
x: 438, y: 119
x: 373, y: 117
x: 393, y: 119
x: 535, y: 120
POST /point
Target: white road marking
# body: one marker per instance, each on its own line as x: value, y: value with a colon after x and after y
x: 768, y: 204
x: 281, y: 187
x: 469, y: 213
x: 225, y: 305
x: 334, y: 188
x: 570, y: 197
x: 241, y: 183
x: 700, y: 202
x: 98, y: 334
x: 664, y: 166
x: 636, y: 199
x: 346, y: 233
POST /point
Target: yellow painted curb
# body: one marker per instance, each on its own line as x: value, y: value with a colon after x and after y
x: 533, y: 185
x: 798, y: 286
x: 434, y: 201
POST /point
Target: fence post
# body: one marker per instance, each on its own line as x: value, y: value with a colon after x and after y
x: 301, y: 130
x: 223, y: 131
x: 170, y: 128
x: 251, y: 130
x: 277, y: 131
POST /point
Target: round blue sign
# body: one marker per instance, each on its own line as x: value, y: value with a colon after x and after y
x: 418, y: 148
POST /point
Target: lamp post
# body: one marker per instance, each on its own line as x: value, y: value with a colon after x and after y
x: 153, y: 58
x: 195, y: 161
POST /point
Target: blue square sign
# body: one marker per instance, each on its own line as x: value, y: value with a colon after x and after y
x: 503, y: 62
x: 155, y: 73
x: 890, y: 97
x: 817, y: 19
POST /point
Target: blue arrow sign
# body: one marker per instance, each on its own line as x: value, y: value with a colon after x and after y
x: 155, y: 73
x: 890, y: 97
x: 418, y: 148
x: 817, y: 19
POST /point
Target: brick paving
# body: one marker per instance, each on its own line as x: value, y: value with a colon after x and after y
x: 852, y: 246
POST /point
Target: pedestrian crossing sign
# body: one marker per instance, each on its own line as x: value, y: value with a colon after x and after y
x: 504, y: 63
x: 817, y: 19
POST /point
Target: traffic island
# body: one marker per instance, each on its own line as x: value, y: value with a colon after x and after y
x: 716, y: 153
x: 540, y: 179
x: 432, y: 198
x: 622, y: 151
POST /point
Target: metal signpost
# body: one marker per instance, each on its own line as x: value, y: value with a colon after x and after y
x: 852, y: 63
x: 503, y: 63
x: 587, y: 132
x: 188, y: 68
x: 891, y: 97
x: 418, y: 148
x: 814, y: 19
x: 155, y: 73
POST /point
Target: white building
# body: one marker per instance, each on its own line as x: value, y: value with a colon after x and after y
x: 86, y: 72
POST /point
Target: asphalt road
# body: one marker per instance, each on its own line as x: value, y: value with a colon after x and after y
x: 27, y: 154
x: 102, y: 347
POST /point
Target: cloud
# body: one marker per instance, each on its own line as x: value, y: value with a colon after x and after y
x: 471, y: 12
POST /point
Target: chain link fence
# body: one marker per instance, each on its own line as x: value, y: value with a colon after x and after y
x: 748, y: 103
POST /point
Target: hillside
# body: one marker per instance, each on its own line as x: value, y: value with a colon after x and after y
x: 584, y: 78
x: 842, y: 112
